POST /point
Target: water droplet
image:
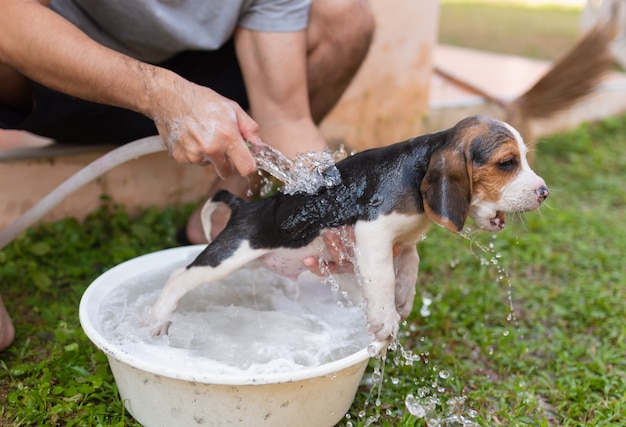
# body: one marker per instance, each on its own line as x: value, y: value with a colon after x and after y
x: 423, y: 392
x: 444, y: 374
x: 372, y: 350
x: 414, y: 406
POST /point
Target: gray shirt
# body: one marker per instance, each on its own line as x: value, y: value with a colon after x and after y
x: 154, y: 30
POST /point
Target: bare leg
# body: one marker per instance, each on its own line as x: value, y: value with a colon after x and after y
x: 7, y: 332
x: 15, y: 92
x: 338, y: 39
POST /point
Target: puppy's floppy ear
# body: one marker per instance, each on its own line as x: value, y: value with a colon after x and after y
x: 446, y: 189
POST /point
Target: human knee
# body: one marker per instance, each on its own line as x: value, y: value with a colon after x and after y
x: 349, y: 22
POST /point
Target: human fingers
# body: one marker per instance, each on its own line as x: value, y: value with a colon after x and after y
x: 239, y: 153
x: 340, y: 246
x: 213, y: 138
x: 313, y: 264
x: 227, y: 147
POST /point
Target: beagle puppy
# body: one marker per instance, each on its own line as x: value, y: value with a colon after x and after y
x: 389, y: 195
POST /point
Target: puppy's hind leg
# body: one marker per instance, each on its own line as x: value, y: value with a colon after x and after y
x: 186, y: 279
x: 178, y: 284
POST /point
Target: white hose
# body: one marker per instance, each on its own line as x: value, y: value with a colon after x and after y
x: 108, y: 161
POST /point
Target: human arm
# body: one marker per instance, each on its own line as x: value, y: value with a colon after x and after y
x: 197, y: 124
x: 274, y: 67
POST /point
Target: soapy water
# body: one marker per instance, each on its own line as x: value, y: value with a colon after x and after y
x: 307, y: 173
x: 251, y: 323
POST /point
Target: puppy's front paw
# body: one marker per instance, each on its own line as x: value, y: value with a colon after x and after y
x: 384, y: 324
x: 405, y: 309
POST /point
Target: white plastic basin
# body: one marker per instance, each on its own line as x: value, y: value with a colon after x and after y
x: 160, y: 395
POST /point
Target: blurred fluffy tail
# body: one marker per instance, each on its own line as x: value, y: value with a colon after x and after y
x: 571, y: 78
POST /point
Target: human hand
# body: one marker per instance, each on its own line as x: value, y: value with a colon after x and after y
x: 340, y: 245
x: 200, y: 126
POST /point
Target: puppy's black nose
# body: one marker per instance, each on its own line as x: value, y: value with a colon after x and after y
x: 543, y: 192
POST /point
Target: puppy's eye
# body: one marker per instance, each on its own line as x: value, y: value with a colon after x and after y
x: 507, y: 164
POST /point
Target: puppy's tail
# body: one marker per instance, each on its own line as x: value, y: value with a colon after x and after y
x: 223, y: 196
x: 574, y: 76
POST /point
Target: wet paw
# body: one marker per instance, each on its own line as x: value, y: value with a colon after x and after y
x: 405, y: 309
x: 384, y: 326
x: 161, y: 329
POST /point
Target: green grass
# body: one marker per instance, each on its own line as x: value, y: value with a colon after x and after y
x: 543, y: 32
x: 52, y: 375
x: 558, y: 361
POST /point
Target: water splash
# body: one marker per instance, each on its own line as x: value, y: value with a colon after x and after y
x: 307, y: 173
x: 429, y: 400
x: 430, y: 407
x: 502, y: 274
